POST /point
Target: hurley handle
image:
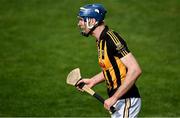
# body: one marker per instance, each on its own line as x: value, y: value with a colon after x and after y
x: 97, y: 96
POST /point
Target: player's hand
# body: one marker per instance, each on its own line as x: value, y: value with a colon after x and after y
x: 87, y: 81
x: 109, y: 102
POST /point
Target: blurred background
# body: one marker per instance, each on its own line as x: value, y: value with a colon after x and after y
x: 40, y: 44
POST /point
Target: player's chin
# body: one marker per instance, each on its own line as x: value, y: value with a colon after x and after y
x: 84, y: 30
x: 81, y: 28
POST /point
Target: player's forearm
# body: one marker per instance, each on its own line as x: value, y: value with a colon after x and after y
x: 98, y: 78
x: 129, y: 81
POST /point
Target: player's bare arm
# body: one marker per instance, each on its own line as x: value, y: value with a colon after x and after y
x: 94, y: 80
x: 98, y: 78
x: 133, y: 73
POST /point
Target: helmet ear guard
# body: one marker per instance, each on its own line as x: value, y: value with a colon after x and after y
x: 89, y: 26
x: 91, y: 30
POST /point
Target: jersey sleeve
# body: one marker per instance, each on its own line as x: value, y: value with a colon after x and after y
x: 117, y: 45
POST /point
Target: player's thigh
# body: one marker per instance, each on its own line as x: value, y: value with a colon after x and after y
x: 135, y: 107
x: 129, y: 107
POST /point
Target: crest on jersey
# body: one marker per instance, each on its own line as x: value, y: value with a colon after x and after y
x: 100, y: 51
x: 119, y: 46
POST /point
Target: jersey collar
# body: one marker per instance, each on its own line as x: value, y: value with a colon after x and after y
x: 103, y: 33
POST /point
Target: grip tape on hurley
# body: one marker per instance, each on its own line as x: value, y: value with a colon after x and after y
x: 112, y: 109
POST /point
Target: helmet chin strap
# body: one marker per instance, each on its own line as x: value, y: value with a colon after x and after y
x: 92, y: 28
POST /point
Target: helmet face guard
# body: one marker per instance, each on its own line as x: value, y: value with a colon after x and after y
x: 96, y: 11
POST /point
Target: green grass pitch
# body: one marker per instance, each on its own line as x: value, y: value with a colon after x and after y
x: 40, y: 43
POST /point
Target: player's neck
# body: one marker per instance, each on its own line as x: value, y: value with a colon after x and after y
x: 97, y: 32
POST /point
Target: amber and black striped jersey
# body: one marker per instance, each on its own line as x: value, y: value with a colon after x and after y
x: 111, y: 47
